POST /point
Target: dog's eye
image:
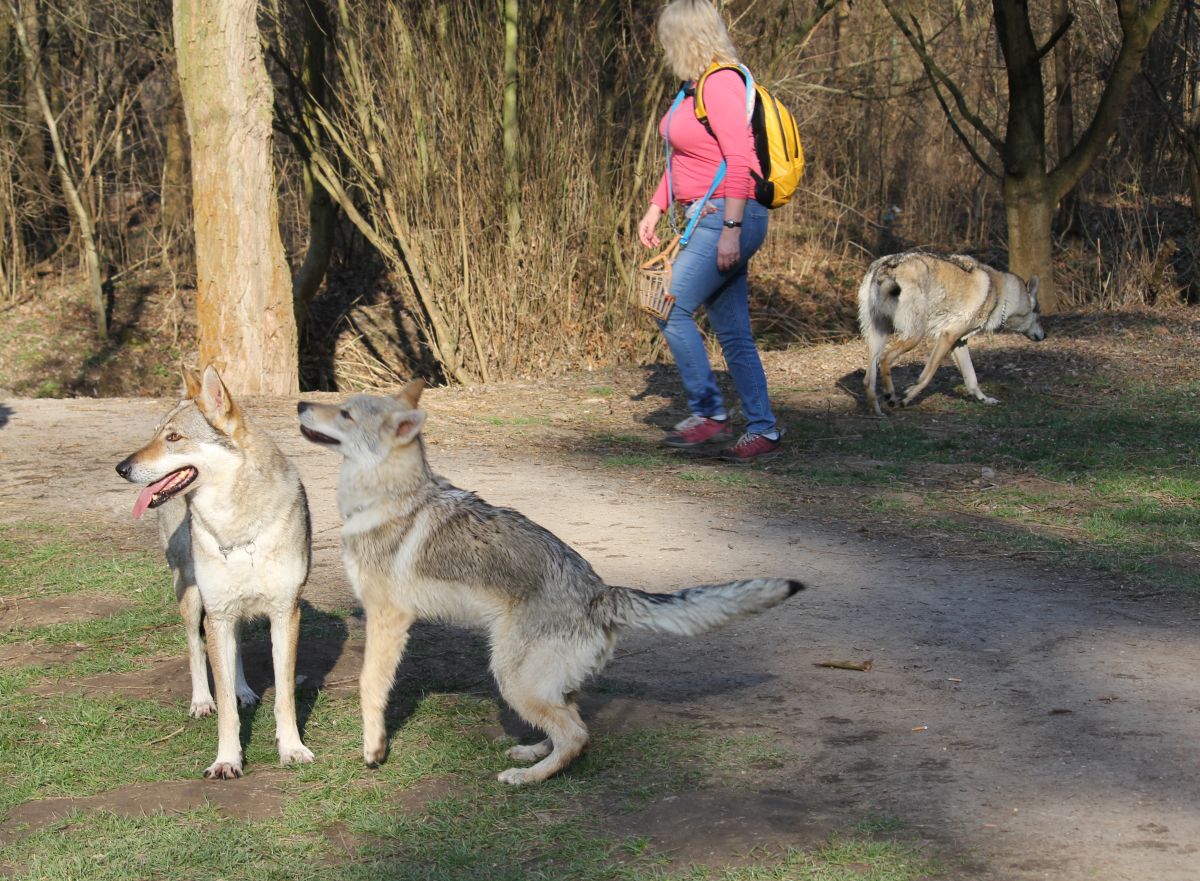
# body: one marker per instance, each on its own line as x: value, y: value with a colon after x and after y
x: 345, y: 414
x: 174, y: 436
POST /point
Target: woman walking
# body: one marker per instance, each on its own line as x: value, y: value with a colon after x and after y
x: 711, y: 270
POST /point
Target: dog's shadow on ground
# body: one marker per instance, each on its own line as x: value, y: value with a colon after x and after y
x: 443, y: 659
x: 323, y: 660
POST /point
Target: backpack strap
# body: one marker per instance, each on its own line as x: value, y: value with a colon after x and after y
x: 686, y: 235
x: 702, y: 111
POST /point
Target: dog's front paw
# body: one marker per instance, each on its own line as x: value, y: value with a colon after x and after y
x: 289, y: 755
x: 219, y: 770
x: 246, y: 697
x: 518, y: 776
x: 988, y: 399
x: 201, y: 708
x: 375, y: 756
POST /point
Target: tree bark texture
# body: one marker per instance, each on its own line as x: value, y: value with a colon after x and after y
x: 245, y: 315
x: 175, y: 162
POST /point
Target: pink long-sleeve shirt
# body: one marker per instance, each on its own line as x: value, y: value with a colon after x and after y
x: 695, y: 154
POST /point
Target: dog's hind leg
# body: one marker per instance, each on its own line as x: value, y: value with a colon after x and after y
x: 246, y: 695
x: 192, y: 610
x: 541, y: 701
x: 387, y: 635
x: 875, y: 346
x: 962, y: 359
x: 222, y: 654
x: 941, y: 348
x: 285, y: 632
x: 530, y: 752
x: 896, y: 349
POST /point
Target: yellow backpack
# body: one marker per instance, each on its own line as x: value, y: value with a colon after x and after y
x: 776, y: 138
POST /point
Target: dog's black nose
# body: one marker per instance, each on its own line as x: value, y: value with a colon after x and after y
x: 123, y: 468
x: 302, y: 406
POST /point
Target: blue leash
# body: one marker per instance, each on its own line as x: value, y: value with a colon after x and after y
x: 686, y: 235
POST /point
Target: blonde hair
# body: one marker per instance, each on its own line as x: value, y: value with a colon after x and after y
x: 693, y: 35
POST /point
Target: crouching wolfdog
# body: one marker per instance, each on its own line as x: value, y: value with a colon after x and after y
x: 918, y: 297
x: 233, y: 521
x: 416, y: 547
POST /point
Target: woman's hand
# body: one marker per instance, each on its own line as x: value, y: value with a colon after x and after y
x: 729, y: 248
x: 646, y: 225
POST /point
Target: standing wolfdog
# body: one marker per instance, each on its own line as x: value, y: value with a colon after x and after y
x: 948, y: 300
x: 416, y: 547
x: 234, y: 525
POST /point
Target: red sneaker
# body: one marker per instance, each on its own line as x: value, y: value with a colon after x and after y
x: 696, y: 431
x: 753, y: 448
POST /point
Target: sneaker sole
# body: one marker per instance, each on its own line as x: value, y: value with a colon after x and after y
x: 681, y: 445
x: 761, y: 457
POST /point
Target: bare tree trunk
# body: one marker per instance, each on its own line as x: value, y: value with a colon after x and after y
x: 33, y: 139
x: 87, y: 236
x: 175, y: 162
x: 1064, y: 113
x: 1193, y: 176
x: 244, y: 293
x: 512, y: 130
x: 1025, y: 175
x: 1029, y: 211
x: 841, y: 30
x: 322, y: 213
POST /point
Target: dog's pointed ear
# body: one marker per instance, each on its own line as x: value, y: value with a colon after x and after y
x: 191, y: 382
x: 1032, y: 288
x: 411, y: 393
x: 402, y: 426
x: 217, y: 404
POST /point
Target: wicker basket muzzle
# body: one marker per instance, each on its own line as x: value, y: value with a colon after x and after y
x: 654, y: 282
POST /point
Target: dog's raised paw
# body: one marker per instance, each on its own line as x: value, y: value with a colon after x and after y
x: 223, y: 771
x: 202, y: 708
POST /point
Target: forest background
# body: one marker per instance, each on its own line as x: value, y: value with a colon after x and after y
x: 455, y: 184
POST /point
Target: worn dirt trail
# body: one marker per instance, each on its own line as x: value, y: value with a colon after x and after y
x: 1033, y: 722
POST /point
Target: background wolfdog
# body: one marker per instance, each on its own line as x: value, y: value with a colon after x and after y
x: 947, y: 300
x: 416, y: 547
x: 235, y: 529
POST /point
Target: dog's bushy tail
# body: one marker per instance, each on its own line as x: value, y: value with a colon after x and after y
x: 877, y: 302
x: 697, y: 609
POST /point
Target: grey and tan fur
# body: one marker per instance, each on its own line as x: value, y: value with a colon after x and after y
x: 416, y: 547
x: 906, y: 299
x: 234, y: 524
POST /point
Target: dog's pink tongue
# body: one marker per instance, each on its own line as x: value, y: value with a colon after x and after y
x: 146, y: 496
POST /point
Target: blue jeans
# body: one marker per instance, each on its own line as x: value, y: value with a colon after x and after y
x: 725, y: 296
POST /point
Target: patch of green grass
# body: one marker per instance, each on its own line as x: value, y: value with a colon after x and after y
x: 608, y: 437
x: 602, y: 391
x: 723, y: 477
x: 516, y: 421
x: 1113, y: 474
x: 468, y: 826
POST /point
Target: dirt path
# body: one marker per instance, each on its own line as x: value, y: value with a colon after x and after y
x: 1025, y: 717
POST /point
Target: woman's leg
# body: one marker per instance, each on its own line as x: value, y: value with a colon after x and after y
x: 729, y: 314
x: 694, y: 277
